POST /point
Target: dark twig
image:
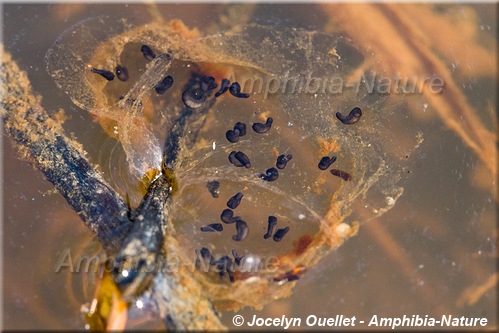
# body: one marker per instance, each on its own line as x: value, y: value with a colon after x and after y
x: 175, y: 294
x: 41, y: 141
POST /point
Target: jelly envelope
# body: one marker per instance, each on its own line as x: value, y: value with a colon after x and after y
x: 293, y: 76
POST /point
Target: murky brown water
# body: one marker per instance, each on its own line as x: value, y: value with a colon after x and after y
x: 443, y: 226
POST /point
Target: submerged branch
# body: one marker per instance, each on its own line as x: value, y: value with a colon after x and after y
x: 40, y: 140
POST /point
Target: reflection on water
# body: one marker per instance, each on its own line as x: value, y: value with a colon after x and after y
x: 435, y: 243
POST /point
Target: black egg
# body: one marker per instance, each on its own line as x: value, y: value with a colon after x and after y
x: 194, y: 98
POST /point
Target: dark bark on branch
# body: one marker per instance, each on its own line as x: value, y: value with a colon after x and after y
x: 40, y: 140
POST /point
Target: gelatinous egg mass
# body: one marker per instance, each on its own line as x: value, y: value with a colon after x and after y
x: 299, y: 197
x: 293, y: 205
